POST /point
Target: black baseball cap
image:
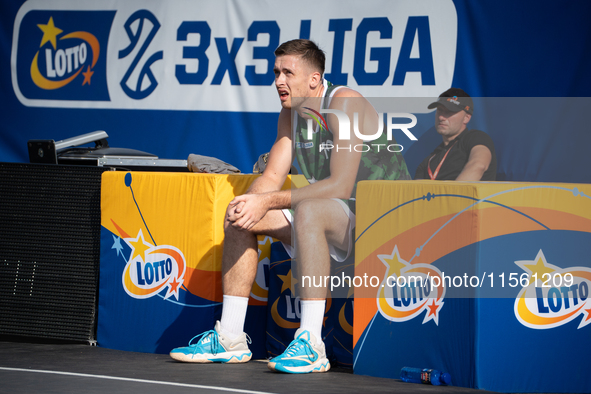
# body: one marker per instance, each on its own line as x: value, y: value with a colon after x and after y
x: 454, y: 99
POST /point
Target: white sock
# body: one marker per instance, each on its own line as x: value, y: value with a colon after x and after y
x: 312, y: 317
x: 233, y: 316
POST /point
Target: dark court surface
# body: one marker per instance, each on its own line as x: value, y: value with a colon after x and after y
x: 64, y: 368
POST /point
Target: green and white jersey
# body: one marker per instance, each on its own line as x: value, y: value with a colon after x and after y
x: 313, y: 155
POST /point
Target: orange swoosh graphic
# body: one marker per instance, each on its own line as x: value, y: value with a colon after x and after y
x: 529, y: 317
x: 45, y: 83
x: 175, y: 255
x: 90, y: 39
x: 259, y: 291
x: 122, y: 233
x: 580, y: 274
x: 344, y: 323
x: 281, y: 322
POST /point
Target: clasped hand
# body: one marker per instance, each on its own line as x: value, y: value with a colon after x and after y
x: 245, y: 211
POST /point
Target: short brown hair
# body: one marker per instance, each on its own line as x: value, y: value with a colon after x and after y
x: 307, y: 50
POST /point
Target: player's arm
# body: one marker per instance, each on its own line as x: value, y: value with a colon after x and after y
x: 265, y: 193
x: 344, y: 161
x: 279, y: 161
x: 478, y: 162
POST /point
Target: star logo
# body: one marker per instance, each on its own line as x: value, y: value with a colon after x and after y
x: 117, y: 245
x: 265, y: 248
x: 393, y: 261
x: 173, y: 288
x: 288, y: 282
x: 433, y: 311
x: 538, y: 268
x: 138, y: 246
x: 50, y: 32
x: 87, y: 76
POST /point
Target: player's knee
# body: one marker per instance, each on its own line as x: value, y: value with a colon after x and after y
x: 231, y: 231
x: 308, y: 214
x: 227, y: 225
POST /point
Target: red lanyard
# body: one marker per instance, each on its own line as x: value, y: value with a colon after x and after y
x: 434, y: 175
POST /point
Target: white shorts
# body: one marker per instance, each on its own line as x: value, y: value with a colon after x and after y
x: 337, y: 254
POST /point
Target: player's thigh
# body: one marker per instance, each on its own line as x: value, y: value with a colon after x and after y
x: 274, y: 224
x: 324, y: 215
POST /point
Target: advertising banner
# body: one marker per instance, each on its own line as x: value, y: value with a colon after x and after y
x: 487, y: 281
x: 177, y: 77
x: 161, y: 250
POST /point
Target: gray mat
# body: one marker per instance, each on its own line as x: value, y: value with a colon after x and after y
x: 79, y: 368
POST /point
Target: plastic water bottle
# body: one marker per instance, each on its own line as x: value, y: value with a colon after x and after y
x: 425, y: 376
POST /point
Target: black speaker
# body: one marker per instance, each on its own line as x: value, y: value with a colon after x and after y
x: 50, y: 222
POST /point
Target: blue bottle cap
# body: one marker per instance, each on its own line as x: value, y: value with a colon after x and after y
x: 445, y: 378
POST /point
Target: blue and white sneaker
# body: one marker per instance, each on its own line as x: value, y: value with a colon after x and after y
x: 214, y: 347
x: 303, y: 355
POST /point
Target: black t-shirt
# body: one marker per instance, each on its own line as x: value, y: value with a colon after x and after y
x: 456, y: 159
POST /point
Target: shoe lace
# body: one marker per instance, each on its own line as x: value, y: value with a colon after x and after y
x: 300, y: 343
x: 214, y: 341
x: 213, y: 344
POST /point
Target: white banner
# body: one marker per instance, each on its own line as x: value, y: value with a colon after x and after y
x: 218, y: 55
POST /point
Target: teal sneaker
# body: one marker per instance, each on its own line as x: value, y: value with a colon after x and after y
x: 214, y: 347
x: 303, y: 355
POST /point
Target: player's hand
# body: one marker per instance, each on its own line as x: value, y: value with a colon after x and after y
x: 245, y: 211
x: 234, y: 208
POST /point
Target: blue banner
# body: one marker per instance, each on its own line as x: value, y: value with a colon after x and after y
x: 178, y: 78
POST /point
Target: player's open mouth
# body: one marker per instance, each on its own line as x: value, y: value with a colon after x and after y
x: 283, y: 95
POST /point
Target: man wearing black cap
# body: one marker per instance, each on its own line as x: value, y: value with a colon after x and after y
x: 465, y: 154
